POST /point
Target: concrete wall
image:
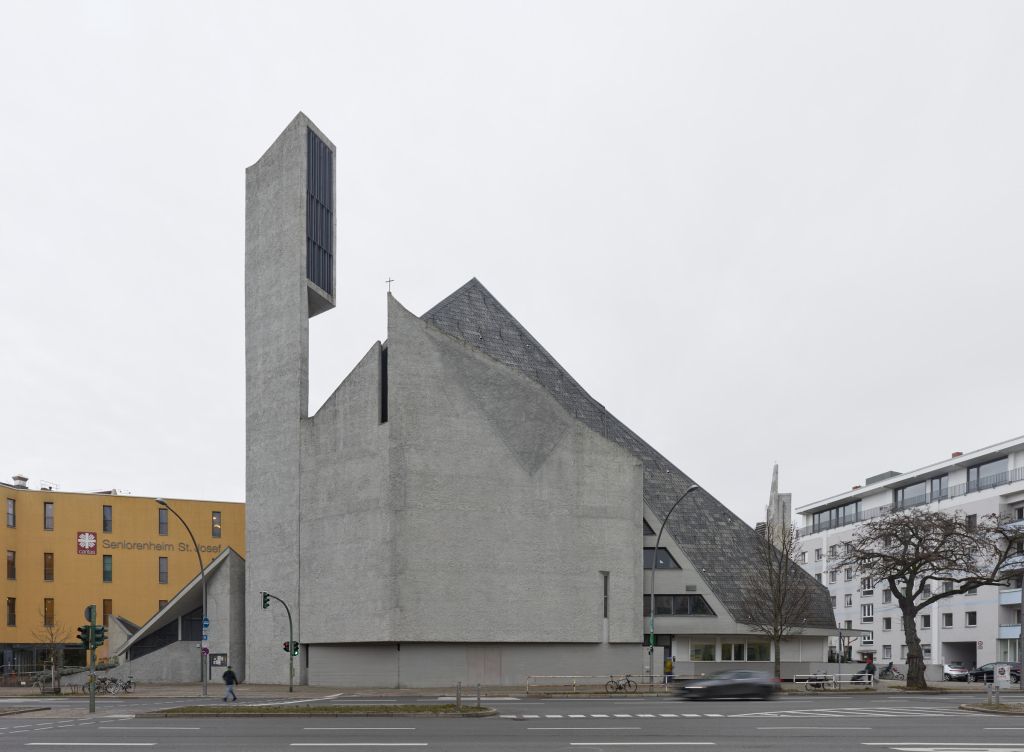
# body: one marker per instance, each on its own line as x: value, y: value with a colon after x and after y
x: 445, y: 664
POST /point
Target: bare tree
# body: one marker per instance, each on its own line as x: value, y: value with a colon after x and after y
x: 778, y: 596
x: 51, y: 637
x: 927, y: 555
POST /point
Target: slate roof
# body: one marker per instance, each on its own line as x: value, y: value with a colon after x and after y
x: 717, y: 542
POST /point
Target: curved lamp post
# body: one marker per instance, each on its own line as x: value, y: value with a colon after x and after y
x: 202, y: 573
x: 654, y: 569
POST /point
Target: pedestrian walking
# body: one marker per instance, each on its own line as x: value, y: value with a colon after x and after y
x: 231, y: 680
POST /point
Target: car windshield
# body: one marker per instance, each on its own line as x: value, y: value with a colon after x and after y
x: 724, y: 675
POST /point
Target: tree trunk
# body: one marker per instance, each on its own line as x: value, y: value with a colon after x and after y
x: 915, y: 655
x: 778, y: 659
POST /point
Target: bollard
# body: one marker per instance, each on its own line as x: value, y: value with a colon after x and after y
x: 458, y: 696
x: 478, y: 694
x: 988, y: 694
x: 997, y: 697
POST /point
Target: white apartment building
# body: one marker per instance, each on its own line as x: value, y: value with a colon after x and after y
x: 973, y: 629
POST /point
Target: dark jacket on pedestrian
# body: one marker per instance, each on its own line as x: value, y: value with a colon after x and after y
x: 230, y: 678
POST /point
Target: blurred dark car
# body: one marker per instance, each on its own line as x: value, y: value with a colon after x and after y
x: 728, y: 684
x: 987, y: 673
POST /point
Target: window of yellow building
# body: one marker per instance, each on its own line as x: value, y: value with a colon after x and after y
x: 163, y: 570
x: 108, y: 519
x: 10, y: 612
x: 108, y: 609
x: 163, y: 521
x: 163, y: 604
x: 48, y: 567
x: 47, y: 612
x: 216, y: 524
x: 10, y: 565
x: 108, y: 568
x: 10, y: 513
x: 48, y: 515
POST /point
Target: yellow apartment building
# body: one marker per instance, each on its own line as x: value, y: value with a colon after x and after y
x: 126, y: 554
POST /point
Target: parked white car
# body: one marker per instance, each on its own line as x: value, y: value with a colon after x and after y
x: 954, y: 672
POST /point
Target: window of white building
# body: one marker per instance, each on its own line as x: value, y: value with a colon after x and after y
x: 867, y: 613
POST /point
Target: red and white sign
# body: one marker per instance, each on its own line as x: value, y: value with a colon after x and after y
x: 87, y: 544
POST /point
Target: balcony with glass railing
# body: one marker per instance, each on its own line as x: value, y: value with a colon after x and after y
x: 951, y: 492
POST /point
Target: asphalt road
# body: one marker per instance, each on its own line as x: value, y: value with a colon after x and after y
x: 907, y: 724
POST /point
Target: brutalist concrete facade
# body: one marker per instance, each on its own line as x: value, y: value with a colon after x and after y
x: 439, y: 502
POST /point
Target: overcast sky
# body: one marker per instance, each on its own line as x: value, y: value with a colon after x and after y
x: 755, y: 232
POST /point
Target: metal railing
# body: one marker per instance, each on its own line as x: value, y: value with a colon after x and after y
x: 961, y: 489
x: 644, y: 683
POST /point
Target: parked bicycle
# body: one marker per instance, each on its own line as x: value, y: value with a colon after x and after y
x: 819, y: 680
x: 625, y: 684
x: 116, y: 685
x: 890, y: 673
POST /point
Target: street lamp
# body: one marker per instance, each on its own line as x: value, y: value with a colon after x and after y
x: 202, y: 574
x: 654, y: 569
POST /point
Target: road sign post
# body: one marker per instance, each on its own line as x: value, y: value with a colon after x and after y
x: 92, y: 659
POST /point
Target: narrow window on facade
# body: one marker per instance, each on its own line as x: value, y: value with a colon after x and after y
x: 604, y: 582
x: 972, y: 618
x: 926, y: 622
x: 163, y: 570
x: 108, y: 519
x: 972, y: 591
x: 887, y: 596
x: 947, y: 586
x: 163, y: 521
x: 817, y: 554
x: 48, y: 567
x: 848, y: 601
x: 11, y: 613
x: 11, y: 572
x: 927, y: 650
x: 803, y: 557
x: 865, y: 586
x: 848, y: 624
x: 886, y: 623
x: 733, y: 651
x: 665, y: 560
x: 927, y: 593
x: 887, y: 651
x: 48, y: 515
x: 108, y: 568
x: 903, y: 652
x: 384, y: 385
x: 939, y: 488
x: 47, y: 612
x: 161, y: 605
x: 1018, y: 513
x: 818, y: 577
x: 833, y: 601
x: 867, y: 613
x: 849, y: 573
x: 216, y: 524
x: 10, y: 513
x: 832, y: 575
x: 848, y: 548
x: 833, y: 550
x: 108, y: 609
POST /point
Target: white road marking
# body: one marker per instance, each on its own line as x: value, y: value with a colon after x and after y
x: 640, y: 744
x: 155, y: 728
x: 358, y: 744
x: 623, y: 715
x: 91, y: 744
x: 668, y: 715
x: 691, y: 715
x: 816, y: 728
x: 552, y: 716
x: 577, y: 716
x: 583, y: 728
x: 596, y: 715
x: 368, y: 728
x: 713, y: 715
x: 531, y: 716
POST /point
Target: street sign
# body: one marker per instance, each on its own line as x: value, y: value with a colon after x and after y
x: 206, y: 622
x: 1002, y: 675
x: 88, y: 612
x: 206, y: 651
x: 206, y: 638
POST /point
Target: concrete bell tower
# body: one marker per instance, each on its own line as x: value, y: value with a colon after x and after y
x: 290, y: 230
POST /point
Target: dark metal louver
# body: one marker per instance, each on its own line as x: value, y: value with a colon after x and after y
x: 319, y: 215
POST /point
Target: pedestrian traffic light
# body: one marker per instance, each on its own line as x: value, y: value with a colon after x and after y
x: 295, y: 648
x: 84, y: 636
x: 287, y: 647
x: 99, y: 636
x: 266, y: 600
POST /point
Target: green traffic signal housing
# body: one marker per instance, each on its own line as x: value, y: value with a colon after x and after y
x: 84, y: 636
x: 266, y: 600
x: 99, y: 636
x: 295, y: 648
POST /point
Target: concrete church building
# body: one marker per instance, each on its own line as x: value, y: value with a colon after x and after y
x: 459, y: 509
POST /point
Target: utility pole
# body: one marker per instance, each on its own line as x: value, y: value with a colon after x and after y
x: 291, y: 636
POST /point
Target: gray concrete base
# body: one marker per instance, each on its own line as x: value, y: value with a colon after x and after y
x: 445, y: 664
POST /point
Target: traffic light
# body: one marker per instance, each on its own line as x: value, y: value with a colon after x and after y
x: 99, y: 636
x: 266, y: 601
x: 83, y: 636
x: 287, y: 647
x: 295, y: 648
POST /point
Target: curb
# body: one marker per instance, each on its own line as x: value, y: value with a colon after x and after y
x: 992, y: 712
x: 484, y: 714
x: 16, y: 711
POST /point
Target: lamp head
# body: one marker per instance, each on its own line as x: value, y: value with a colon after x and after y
x: 161, y: 502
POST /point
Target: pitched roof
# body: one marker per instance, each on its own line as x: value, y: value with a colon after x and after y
x: 717, y: 542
